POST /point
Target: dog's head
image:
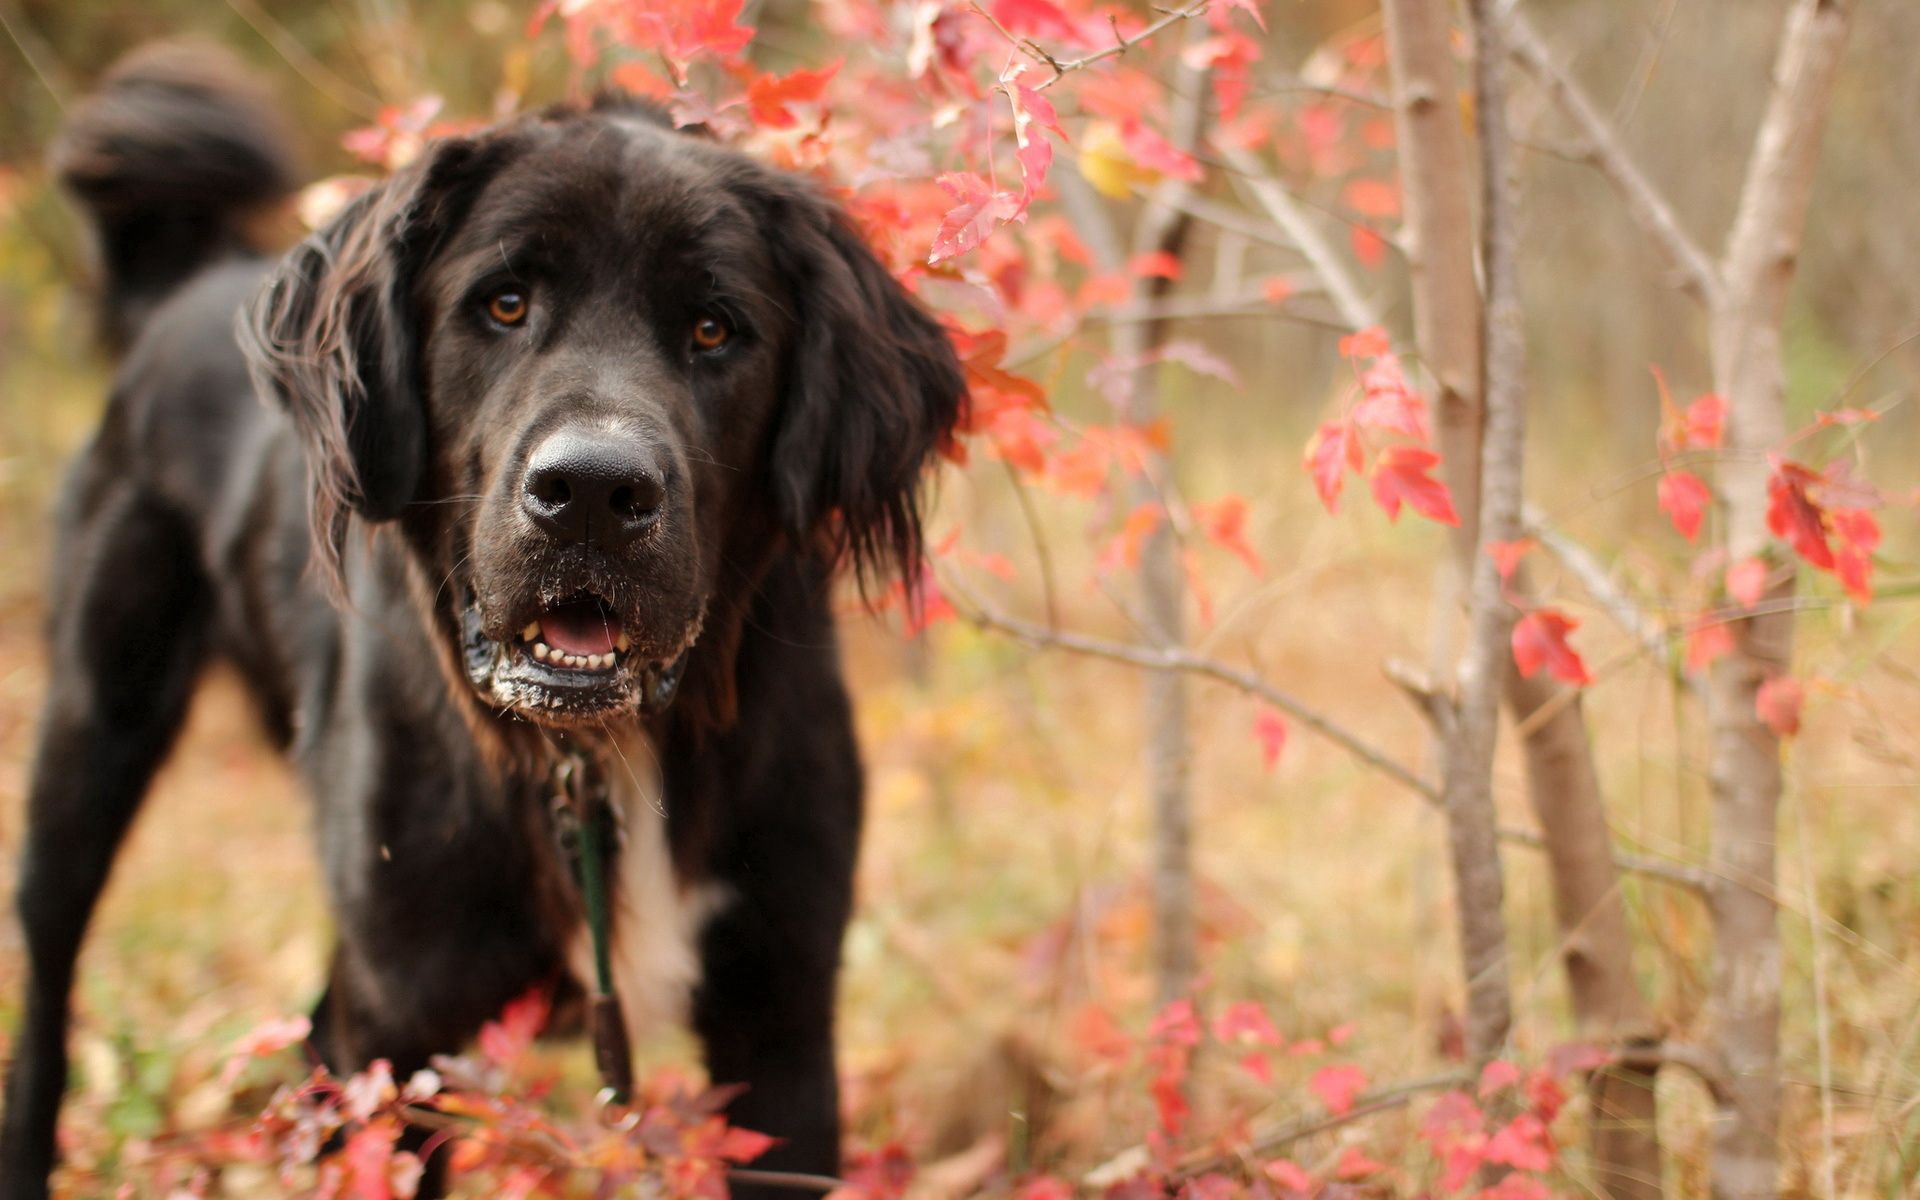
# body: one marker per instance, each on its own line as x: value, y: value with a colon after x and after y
x: 599, y: 372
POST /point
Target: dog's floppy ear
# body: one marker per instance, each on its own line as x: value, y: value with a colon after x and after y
x: 872, y: 389
x: 331, y: 333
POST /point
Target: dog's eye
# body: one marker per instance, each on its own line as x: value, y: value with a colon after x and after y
x: 507, y: 307
x: 710, y: 333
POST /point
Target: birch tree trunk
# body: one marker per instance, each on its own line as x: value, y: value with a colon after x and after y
x: 1745, y: 321
x: 1472, y: 723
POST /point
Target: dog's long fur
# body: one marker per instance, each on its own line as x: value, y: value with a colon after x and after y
x: 379, y: 443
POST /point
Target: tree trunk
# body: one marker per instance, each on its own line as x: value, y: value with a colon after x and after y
x: 1164, y: 227
x: 1744, y: 328
x: 1563, y: 782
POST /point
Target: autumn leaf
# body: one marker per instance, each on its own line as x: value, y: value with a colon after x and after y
x: 1224, y: 521
x: 1497, y: 1076
x: 1332, y: 451
x: 1793, y: 513
x: 978, y: 210
x: 1684, y: 498
x: 1402, y: 474
x: 1338, y: 1086
x: 1289, y: 1175
x: 1506, y: 556
x: 1708, y: 640
x: 1540, y: 640
x: 1125, y: 547
x: 1366, y: 343
x: 768, y: 96
x: 1270, y: 730
x: 1778, y: 703
x: 1747, y: 581
x: 1377, y: 198
x: 1245, y: 1023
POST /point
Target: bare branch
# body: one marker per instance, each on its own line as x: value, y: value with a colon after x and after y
x: 1648, y: 207
x: 1314, y: 246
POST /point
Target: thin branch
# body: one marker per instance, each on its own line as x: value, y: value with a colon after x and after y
x: 1314, y: 246
x: 1644, y: 201
x: 1178, y: 659
x: 1063, y: 67
x: 798, y: 1181
x: 1378, y: 1101
x: 977, y: 613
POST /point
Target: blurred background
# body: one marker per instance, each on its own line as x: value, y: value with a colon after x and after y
x: 1003, y: 880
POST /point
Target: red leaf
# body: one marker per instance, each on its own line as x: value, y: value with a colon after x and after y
x: 1338, y: 1086
x: 769, y: 95
x: 1373, y: 197
x: 1370, y: 342
x: 1707, y: 641
x: 1354, y: 1164
x: 1684, y: 498
x: 1524, y: 1144
x: 1332, y: 451
x: 1245, y: 1022
x: 1401, y: 474
x: 1388, y: 403
x: 1369, y: 247
x: 1540, y: 640
x: 1156, y: 153
x: 1270, y: 728
x: 504, y: 1040
x: 1124, y: 549
x: 743, y: 1145
x: 1178, y: 1024
x: 1506, y: 556
x: 1224, y: 521
x: 1496, y: 1075
x: 1706, y: 422
x: 1276, y: 289
x: 978, y: 210
x: 1288, y: 1174
x: 1747, y: 581
x: 1259, y: 1067
x: 1793, y: 513
x: 1778, y: 704
x: 1157, y: 264
x: 1858, y: 532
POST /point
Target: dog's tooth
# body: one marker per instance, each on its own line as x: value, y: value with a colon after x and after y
x: 600, y: 661
x: 540, y: 651
x: 593, y: 662
x: 531, y: 633
x: 623, y: 643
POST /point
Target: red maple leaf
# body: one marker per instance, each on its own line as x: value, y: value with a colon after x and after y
x: 1402, y: 474
x: 1778, y: 703
x: 1793, y: 513
x: 769, y: 95
x: 978, y: 210
x: 1684, y: 498
x: 1224, y: 521
x: 1338, y: 1086
x: 1540, y: 640
x: 1707, y: 640
x: 1506, y: 556
x: 1332, y: 451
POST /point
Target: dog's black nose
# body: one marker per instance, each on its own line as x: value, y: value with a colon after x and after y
x: 593, y: 489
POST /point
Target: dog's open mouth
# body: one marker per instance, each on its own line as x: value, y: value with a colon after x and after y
x: 579, y: 635
x: 574, y: 660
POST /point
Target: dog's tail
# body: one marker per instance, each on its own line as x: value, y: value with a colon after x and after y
x: 176, y: 158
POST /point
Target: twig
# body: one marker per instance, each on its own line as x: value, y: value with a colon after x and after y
x: 1179, y: 659
x: 1063, y: 67
x: 1377, y: 1101
x: 1649, y: 208
x: 1314, y: 246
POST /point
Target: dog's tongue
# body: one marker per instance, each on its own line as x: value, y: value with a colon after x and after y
x: 580, y: 627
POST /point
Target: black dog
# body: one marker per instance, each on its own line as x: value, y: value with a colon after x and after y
x: 567, y: 427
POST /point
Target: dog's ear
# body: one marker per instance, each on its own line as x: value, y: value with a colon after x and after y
x: 873, y: 388
x: 331, y: 334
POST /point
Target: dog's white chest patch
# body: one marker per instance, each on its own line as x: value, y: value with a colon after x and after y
x: 656, y: 920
